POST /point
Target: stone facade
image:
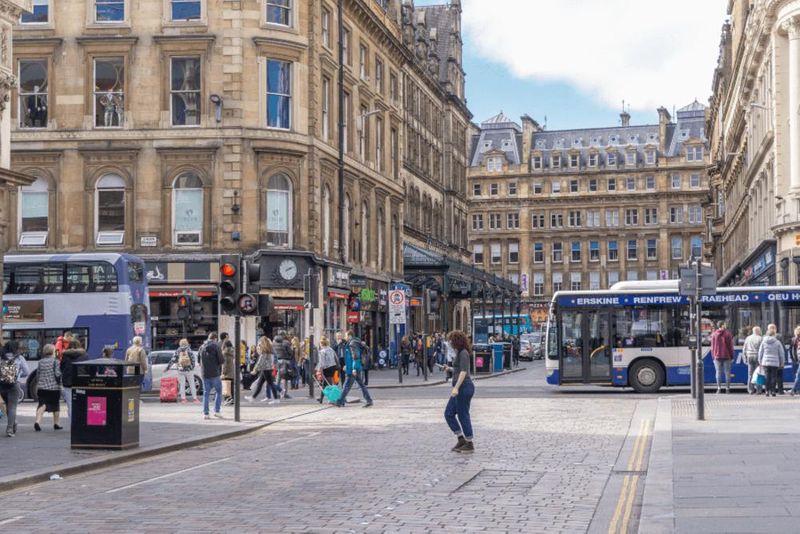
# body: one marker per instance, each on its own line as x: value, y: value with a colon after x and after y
x: 181, y: 130
x: 583, y: 209
x: 755, y: 145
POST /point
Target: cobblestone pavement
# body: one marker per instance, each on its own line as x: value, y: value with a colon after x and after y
x: 542, y: 464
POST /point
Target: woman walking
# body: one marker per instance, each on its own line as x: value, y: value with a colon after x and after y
x: 328, y: 365
x: 184, y: 362
x: 263, y: 370
x: 751, y: 345
x: 457, y: 411
x: 771, y: 358
x: 13, y: 367
x: 48, y: 388
x: 405, y: 353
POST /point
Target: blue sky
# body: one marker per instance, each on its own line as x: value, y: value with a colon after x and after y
x: 575, y: 61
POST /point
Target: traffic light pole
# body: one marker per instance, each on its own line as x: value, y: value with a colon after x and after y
x: 700, y: 377
x: 237, y: 340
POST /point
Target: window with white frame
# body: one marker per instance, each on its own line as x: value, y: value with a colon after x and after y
x: 363, y: 133
x: 573, y: 186
x: 613, y: 278
x: 477, y: 222
x: 556, y: 161
x: 364, y: 233
x: 394, y: 147
x: 651, y: 275
x: 185, y: 10
x: 612, y: 184
x: 697, y: 246
x: 593, y: 160
x: 325, y: 26
x: 514, y: 278
x: 695, y: 214
x: 537, y: 220
x: 513, y: 252
x: 537, y: 162
x: 632, y: 249
x: 594, y: 280
x: 630, y: 183
x: 476, y: 190
x: 363, y: 66
x: 593, y: 185
x: 650, y: 157
x: 575, y: 251
x: 631, y: 216
x: 555, y: 186
x: 537, y: 188
x: 675, y: 181
x: 593, y: 218
x: 185, y: 98
x: 630, y: 158
x: 650, y: 183
x: 512, y: 221
x: 33, y: 93
x: 676, y: 214
x: 556, y: 220
x: 612, y: 218
x: 538, y: 253
x: 326, y: 109
x: 558, y: 282
x: 279, y: 211
x: 379, y: 75
x: 39, y: 15
x: 381, y: 231
x: 694, y: 181
x: 379, y: 143
x: 677, y: 248
x: 558, y: 252
x: 279, y: 94
x: 512, y: 188
x: 652, y: 249
x: 494, y: 189
x: 495, y: 256
x: 613, y: 250
x: 575, y: 281
x: 187, y: 209
x: 694, y: 153
x: 109, y: 11
x: 346, y: 45
x: 477, y: 254
x: 611, y: 159
x: 495, y: 221
x: 110, y: 210
x: 538, y: 284
x: 346, y: 123
x: 574, y: 160
x: 109, y: 92
x: 575, y: 218
x: 34, y: 210
x: 279, y: 12
x: 651, y: 215
x: 594, y: 250
x: 633, y: 275
x: 494, y: 164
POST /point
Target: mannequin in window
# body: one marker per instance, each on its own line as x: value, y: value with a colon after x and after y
x: 107, y: 101
x: 189, y: 97
x: 36, y: 106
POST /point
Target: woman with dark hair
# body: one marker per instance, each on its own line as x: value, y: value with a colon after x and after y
x: 457, y: 411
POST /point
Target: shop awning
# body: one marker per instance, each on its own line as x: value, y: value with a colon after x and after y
x: 338, y: 294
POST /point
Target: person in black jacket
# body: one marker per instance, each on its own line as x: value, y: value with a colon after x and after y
x: 283, y: 352
x: 211, y: 361
x: 75, y: 353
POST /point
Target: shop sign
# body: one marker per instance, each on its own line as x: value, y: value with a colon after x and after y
x: 23, y: 311
x: 367, y: 295
x: 357, y: 281
x: 353, y: 317
x: 338, y: 277
x: 415, y: 302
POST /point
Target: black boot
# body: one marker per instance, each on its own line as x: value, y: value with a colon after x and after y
x: 461, y: 442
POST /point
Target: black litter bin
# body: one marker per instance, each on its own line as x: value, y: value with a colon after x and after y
x: 105, y: 404
x: 482, y: 359
x: 507, y: 355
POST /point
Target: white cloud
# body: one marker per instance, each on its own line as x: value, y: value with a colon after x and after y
x: 647, y: 52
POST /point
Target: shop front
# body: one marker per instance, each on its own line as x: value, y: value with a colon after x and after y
x: 337, y: 296
x: 367, y: 309
x: 757, y: 269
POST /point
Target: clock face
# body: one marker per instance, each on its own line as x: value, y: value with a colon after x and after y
x: 288, y: 269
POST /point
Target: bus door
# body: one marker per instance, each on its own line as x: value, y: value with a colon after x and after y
x: 585, y: 346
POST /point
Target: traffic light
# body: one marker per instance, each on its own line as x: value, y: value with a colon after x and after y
x: 184, y: 308
x: 433, y: 302
x: 197, y: 311
x: 230, y: 284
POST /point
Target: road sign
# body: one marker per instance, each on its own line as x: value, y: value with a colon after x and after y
x: 397, y: 307
x: 688, y: 282
x: 397, y: 318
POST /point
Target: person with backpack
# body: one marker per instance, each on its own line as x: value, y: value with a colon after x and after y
x: 457, y: 411
x: 354, y: 370
x: 13, y: 368
x: 72, y: 353
x: 137, y: 354
x: 366, y: 361
x: 184, y: 362
x: 327, y: 366
x: 48, y: 388
x: 211, y: 361
x: 283, y: 352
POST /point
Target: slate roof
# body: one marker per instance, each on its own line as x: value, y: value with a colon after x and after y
x: 441, y: 17
x: 498, y: 133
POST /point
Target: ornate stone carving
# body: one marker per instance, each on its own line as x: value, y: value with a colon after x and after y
x: 7, y: 82
x: 792, y: 27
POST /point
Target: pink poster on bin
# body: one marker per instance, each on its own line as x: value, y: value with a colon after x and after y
x: 96, y: 411
x: 478, y: 361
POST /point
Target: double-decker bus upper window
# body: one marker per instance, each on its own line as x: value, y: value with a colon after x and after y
x: 135, y: 272
x: 53, y: 276
x: 26, y: 279
x: 77, y: 277
x: 104, y: 278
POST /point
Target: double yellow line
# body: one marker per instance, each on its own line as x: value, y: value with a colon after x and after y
x: 622, y: 513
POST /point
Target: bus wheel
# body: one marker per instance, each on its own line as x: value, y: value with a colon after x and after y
x: 646, y: 376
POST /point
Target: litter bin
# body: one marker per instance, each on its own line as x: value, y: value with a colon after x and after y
x: 497, y: 352
x: 105, y: 404
x: 482, y: 359
x: 507, y: 355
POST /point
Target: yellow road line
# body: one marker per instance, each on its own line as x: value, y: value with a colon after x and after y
x: 627, y: 496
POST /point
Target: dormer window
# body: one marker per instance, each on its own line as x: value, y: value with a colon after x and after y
x: 506, y: 144
x: 494, y: 165
x: 556, y: 161
x: 650, y: 157
x: 611, y: 159
x: 630, y: 158
x: 487, y: 145
x: 694, y: 153
x: 537, y: 162
x: 574, y: 159
x: 592, y: 160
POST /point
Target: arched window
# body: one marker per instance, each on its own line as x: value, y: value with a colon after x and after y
x: 346, y: 237
x: 187, y: 209
x: 110, y: 210
x: 381, y: 230
x: 326, y: 220
x: 279, y: 211
x: 364, y: 233
x: 34, y: 209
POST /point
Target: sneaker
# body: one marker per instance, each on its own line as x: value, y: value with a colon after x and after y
x: 274, y: 401
x: 9, y: 433
x: 218, y: 415
x: 461, y: 443
x: 58, y: 427
x: 196, y: 401
x: 286, y: 396
x: 206, y: 417
x: 184, y: 401
x: 466, y: 448
x: 367, y: 405
x: 248, y: 399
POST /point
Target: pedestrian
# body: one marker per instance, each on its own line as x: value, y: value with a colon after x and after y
x: 771, y: 358
x: 457, y: 411
x: 339, y: 348
x: 405, y: 353
x: 211, y: 361
x: 354, y: 370
x: 263, y: 369
x: 72, y: 354
x: 794, y: 351
x: 136, y: 354
x: 419, y: 358
x: 722, y: 354
x: 366, y: 361
x: 226, y: 346
x: 13, y: 368
x: 48, y: 387
x: 327, y: 366
x: 297, y: 358
x: 750, y: 353
x: 515, y: 347
x: 184, y: 363
x: 283, y: 351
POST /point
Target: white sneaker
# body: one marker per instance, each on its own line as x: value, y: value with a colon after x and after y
x: 218, y: 415
x: 266, y: 399
x: 248, y: 399
x: 274, y: 401
x: 206, y: 417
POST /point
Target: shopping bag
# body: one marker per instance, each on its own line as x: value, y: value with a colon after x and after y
x: 226, y: 387
x: 169, y: 389
x: 758, y: 377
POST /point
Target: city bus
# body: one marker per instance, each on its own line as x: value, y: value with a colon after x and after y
x: 636, y: 333
x: 101, y: 298
x: 485, y: 326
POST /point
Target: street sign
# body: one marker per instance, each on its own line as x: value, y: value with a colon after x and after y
x: 397, y: 307
x: 688, y: 283
x: 397, y: 318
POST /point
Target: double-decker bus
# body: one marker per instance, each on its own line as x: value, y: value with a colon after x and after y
x: 491, y: 325
x: 101, y: 298
x: 636, y: 333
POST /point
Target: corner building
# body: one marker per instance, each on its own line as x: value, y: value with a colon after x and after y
x: 178, y: 130
x: 584, y: 209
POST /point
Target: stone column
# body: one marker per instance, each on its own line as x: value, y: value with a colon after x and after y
x: 792, y: 28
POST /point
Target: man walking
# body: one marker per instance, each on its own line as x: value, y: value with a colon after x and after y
x: 354, y: 369
x: 722, y: 354
x: 211, y: 360
x: 750, y: 350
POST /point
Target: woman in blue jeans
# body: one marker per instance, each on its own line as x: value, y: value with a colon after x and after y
x: 457, y: 411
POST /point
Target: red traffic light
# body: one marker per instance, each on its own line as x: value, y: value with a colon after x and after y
x: 183, y: 301
x: 228, y: 270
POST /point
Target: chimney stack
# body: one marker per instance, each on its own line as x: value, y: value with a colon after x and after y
x: 664, y: 119
x: 626, y: 119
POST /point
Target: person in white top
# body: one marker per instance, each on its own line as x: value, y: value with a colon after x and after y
x: 750, y: 355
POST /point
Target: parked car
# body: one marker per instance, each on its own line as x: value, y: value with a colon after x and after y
x: 159, y: 360
x: 530, y: 346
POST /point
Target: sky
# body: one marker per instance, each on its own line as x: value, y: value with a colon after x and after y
x: 573, y: 62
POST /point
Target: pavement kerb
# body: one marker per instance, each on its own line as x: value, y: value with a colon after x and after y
x: 658, y: 504
x: 440, y: 382
x: 13, y: 482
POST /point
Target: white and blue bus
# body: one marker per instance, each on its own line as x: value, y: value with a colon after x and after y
x: 101, y: 298
x: 636, y: 333
x: 514, y: 325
